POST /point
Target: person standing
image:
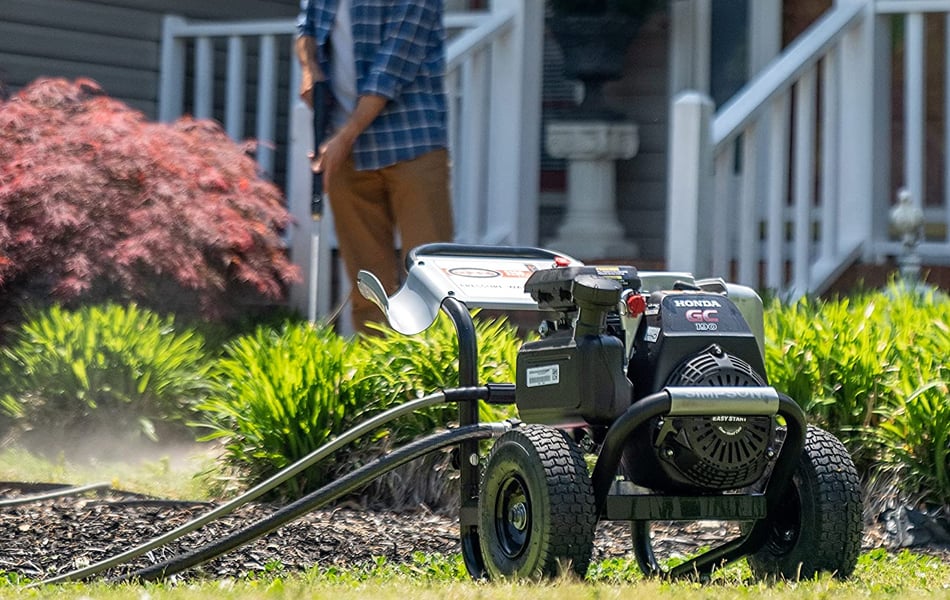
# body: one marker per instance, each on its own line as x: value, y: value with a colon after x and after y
x: 384, y: 159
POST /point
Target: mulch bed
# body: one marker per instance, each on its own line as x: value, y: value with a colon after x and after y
x: 45, y: 538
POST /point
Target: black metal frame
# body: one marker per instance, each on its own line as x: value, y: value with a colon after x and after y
x: 461, y: 318
x: 468, y: 415
x: 690, y: 508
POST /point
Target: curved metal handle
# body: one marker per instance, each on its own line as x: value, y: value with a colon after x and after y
x: 481, y: 251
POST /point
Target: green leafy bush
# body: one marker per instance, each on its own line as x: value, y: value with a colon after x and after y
x: 915, y: 437
x: 121, y: 368
x: 280, y: 393
x: 914, y: 429
x: 833, y: 357
x: 870, y: 368
x: 413, y: 366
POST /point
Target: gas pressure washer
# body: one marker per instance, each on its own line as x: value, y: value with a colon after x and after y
x: 657, y: 377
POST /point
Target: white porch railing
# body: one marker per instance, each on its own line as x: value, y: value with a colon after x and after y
x: 493, y: 83
x: 791, y: 180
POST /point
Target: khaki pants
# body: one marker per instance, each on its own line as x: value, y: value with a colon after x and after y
x: 370, y: 206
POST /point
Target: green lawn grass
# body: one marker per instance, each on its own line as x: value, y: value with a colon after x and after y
x: 880, y: 574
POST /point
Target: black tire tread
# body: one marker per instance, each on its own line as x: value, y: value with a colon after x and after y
x: 830, y: 535
x: 570, y: 514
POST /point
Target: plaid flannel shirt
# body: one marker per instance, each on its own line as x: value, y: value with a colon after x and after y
x: 399, y: 47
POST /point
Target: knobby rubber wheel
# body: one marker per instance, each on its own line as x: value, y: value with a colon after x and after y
x: 536, y: 506
x: 818, y: 525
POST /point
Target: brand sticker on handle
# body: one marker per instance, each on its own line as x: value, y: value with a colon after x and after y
x: 546, y: 375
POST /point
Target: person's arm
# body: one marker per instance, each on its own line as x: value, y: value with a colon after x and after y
x: 336, y: 150
x: 310, y: 73
x: 409, y: 29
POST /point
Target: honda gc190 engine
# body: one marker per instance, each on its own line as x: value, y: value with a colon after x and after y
x: 587, y: 370
x: 695, y: 338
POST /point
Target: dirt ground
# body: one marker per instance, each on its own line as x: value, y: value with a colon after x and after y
x: 42, y: 539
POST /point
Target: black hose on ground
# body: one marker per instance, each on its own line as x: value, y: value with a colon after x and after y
x: 316, y: 499
x: 306, y: 462
x: 57, y: 493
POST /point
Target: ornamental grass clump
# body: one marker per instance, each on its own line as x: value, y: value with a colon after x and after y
x: 871, y: 369
x: 915, y: 436
x: 832, y: 357
x: 914, y: 428
x: 120, y: 370
x: 414, y: 366
x: 281, y: 393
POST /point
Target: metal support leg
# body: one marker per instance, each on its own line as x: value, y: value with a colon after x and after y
x: 468, y: 451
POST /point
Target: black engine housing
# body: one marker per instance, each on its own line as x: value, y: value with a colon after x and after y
x: 680, y: 324
x: 698, y: 339
x: 581, y: 376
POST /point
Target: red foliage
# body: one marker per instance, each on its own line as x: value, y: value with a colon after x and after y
x: 93, y: 196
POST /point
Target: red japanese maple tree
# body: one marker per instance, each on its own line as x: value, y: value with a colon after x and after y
x: 95, y: 200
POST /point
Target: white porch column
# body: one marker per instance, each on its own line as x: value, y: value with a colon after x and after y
x: 514, y: 157
x: 690, y: 41
x: 591, y: 229
x: 689, y: 184
x: 857, y: 134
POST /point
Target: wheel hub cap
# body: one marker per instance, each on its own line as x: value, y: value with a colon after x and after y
x: 518, y: 516
x: 513, y: 517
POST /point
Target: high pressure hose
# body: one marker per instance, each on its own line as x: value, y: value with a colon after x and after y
x: 318, y: 498
x: 267, y: 485
x: 56, y: 493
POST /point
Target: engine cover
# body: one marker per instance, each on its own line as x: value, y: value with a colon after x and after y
x: 715, y: 453
x: 705, y: 453
x: 561, y: 380
x: 679, y: 324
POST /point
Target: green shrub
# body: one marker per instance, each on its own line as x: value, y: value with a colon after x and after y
x: 279, y: 394
x: 914, y: 429
x: 915, y: 436
x: 791, y: 343
x: 858, y: 364
x: 833, y: 358
x: 413, y: 366
x: 120, y: 368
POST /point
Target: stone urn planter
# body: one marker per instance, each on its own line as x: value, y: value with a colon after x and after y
x: 594, y: 36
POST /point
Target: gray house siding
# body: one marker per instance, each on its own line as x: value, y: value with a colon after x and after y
x: 115, y: 42
x: 643, y: 94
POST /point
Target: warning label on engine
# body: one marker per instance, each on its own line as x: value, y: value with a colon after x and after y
x: 546, y: 375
